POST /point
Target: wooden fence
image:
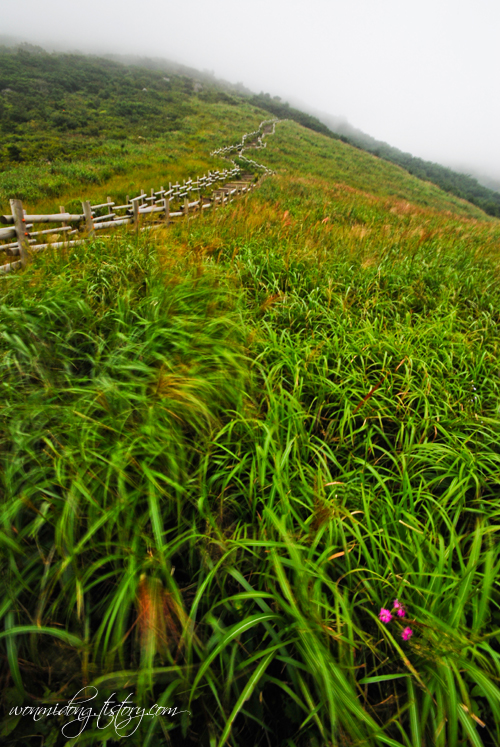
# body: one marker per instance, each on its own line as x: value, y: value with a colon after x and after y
x: 251, y: 140
x: 19, y: 238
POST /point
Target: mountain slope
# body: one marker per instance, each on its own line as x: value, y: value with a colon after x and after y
x: 249, y: 463
x: 462, y: 185
x: 70, y: 121
x: 227, y: 446
x: 299, y: 151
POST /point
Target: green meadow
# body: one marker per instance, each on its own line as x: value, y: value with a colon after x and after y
x: 226, y: 446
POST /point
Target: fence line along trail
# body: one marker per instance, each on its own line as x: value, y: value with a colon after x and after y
x: 20, y: 237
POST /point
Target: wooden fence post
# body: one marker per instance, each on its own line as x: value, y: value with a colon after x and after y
x: 166, y: 203
x: 136, y: 214
x: 89, y: 222
x: 186, y: 206
x: 16, y: 207
x: 62, y: 209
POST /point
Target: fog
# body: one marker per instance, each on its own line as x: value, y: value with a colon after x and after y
x: 419, y: 76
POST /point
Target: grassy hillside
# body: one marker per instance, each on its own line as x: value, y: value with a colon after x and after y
x: 74, y: 126
x: 67, y: 105
x: 233, y: 452
x: 481, y: 191
x: 300, y: 151
x: 72, y: 123
x: 142, y: 164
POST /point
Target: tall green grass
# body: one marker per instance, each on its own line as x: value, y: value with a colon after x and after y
x: 225, y: 449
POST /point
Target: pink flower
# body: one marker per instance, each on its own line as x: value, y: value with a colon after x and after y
x: 400, y: 610
x: 385, y: 615
x: 406, y: 634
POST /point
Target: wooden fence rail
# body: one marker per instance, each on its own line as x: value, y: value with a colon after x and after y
x: 212, y: 190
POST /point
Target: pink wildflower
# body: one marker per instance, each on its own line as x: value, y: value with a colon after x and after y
x: 406, y: 634
x: 400, y: 610
x: 385, y: 615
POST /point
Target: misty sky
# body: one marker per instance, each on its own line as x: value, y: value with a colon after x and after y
x: 423, y: 76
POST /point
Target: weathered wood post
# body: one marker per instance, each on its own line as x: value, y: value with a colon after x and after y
x: 200, y: 200
x: 62, y: 209
x: 110, y: 208
x: 89, y: 221
x: 186, y: 207
x: 136, y: 214
x: 16, y: 207
x: 166, y: 203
